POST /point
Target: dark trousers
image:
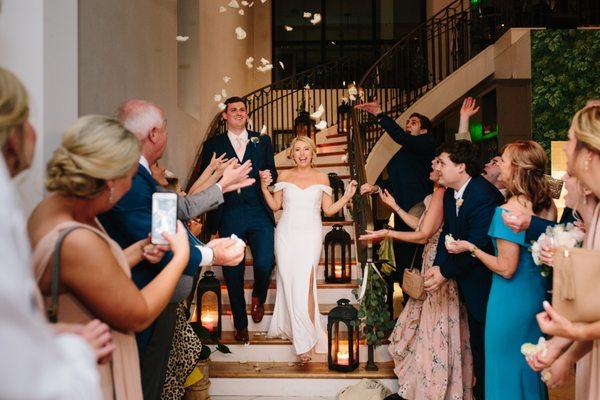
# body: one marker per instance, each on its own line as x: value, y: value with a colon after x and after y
x: 253, y: 225
x: 477, y: 335
x: 154, y: 359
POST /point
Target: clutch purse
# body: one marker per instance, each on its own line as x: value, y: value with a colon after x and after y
x: 413, y: 283
x: 575, y: 284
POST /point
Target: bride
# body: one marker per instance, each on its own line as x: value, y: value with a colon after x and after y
x: 298, y: 239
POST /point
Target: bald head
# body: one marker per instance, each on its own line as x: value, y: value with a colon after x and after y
x: 140, y: 117
x: 147, y: 122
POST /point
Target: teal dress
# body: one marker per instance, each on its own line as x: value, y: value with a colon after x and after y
x: 510, y: 322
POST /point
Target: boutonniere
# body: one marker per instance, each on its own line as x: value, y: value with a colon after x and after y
x: 255, y: 140
x: 459, y: 202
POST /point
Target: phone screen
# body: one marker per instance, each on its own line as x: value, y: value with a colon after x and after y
x: 164, y: 216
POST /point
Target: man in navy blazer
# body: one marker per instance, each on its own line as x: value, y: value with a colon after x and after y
x: 469, y: 204
x: 130, y: 220
x: 245, y: 212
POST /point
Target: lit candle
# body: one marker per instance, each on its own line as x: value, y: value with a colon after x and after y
x: 343, y: 357
x: 208, y: 320
x: 338, y: 271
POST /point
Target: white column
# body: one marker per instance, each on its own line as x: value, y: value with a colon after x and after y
x: 38, y: 42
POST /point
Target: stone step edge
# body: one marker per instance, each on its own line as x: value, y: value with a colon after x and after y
x: 285, y: 370
x: 321, y: 284
x: 260, y: 338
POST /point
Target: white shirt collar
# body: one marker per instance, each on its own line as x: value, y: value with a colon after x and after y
x: 233, y: 137
x: 145, y: 164
x: 459, y: 194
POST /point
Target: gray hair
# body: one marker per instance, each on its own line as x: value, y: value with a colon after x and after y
x: 140, y: 117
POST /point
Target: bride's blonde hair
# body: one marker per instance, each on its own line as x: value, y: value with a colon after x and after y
x: 306, y: 140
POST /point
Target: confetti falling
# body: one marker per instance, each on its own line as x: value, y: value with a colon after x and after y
x: 316, y: 19
x: 321, y: 125
x: 288, y: 28
x: 249, y: 62
x: 217, y: 97
x: 233, y: 4
x: 226, y: 79
x: 222, y: 9
x: 182, y: 39
x: 307, y: 14
x: 240, y: 33
x: 281, y: 65
x: 241, y: 12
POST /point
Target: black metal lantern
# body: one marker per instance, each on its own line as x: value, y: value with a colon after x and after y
x: 338, y: 256
x: 337, y: 186
x: 342, y: 337
x: 304, y: 125
x: 343, y: 114
x: 208, y: 303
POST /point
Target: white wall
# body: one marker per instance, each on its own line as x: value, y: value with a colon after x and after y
x: 38, y: 42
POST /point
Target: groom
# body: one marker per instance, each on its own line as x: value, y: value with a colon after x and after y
x: 469, y: 204
x: 244, y: 213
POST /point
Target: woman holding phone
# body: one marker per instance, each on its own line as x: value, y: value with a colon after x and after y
x: 87, y: 174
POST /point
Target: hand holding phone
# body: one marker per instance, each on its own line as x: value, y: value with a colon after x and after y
x: 164, y: 216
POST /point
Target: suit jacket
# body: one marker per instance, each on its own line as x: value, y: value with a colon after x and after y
x: 193, y: 205
x: 130, y: 220
x: 408, y: 170
x: 538, y: 225
x: 261, y: 154
x: 480, y: 200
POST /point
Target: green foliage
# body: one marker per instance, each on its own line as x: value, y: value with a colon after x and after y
x: 207, y: 337
x: 373, y: 314
x: 564, y: 75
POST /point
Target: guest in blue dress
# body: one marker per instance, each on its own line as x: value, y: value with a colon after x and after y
x: 518, y: 288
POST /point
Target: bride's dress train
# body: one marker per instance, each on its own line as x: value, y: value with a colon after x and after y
x: 298, y: 243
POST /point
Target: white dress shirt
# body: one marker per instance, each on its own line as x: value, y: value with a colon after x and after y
x: 35, y: 363
x: 207, y: 253
x: 239, y: 143
x: 459, y: 194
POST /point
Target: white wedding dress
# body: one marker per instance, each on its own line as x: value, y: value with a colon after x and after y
x: 298, y: 241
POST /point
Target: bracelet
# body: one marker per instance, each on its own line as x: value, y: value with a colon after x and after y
x: 473, y: 250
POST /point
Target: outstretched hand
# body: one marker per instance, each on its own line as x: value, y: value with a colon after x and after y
x: 374, y: 236
x: 469, y: 107
x: 388, y: 199
x: 236, y: 177
x: 372, y: 107
x: 351, y: 189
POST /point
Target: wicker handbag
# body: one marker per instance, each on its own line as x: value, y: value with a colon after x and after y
x: 575, y: 284
x: 413, y: 283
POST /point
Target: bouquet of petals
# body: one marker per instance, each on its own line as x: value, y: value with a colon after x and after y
x: 556, y: 236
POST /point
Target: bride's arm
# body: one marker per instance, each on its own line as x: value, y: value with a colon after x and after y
x: 330, y: 208
x: 274, y: 200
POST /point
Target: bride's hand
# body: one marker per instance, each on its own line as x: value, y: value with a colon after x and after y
x: 265, y: 178
x: 374, y: 236
x: 350, y: 189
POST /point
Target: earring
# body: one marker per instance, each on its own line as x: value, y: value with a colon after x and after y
x: 110, y: 195
x: 586, y: 164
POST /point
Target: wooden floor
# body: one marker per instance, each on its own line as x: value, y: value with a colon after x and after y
x: 315, y: 370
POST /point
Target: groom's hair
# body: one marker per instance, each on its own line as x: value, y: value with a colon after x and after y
x: 463, y: 152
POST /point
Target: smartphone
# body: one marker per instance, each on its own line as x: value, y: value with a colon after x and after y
x: 164, y: 216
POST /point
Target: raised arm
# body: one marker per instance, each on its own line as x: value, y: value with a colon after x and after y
x: 408, y: 219
x: 468, y: 109
x: 327, y: 204
x: 111, y: 295
x: 273, y: 200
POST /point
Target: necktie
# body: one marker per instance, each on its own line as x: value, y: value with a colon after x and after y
x: 239, y: 148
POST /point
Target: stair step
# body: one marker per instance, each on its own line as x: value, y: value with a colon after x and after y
x: 321, y: 284
x: 222, y: 369
x: 323, y: 165
x: 331, y: 153
x: 331, y: 144
x: 337, y: 135
x: 324, y: 309
x: 355, y: 272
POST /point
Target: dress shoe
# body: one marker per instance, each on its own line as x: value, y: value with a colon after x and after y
x: 258, y: 310
x: 242, y: 335
x: 394, y: 396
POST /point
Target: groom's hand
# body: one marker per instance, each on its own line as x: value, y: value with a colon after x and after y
x: 433, y: 279
x: 227, y: 251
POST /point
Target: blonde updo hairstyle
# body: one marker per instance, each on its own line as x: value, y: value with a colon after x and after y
x: 306, y: 140
x: 528, y: 179
x: 586, y: 127
x: 14, y: 104
x: 93, y: 150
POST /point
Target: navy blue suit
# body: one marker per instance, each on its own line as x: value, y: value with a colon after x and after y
x: 130, y: 220
x: 474, y: 279
x: 408, y: 182
x: 247, y: 215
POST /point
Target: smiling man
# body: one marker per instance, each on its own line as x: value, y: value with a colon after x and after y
x: 245, y: 212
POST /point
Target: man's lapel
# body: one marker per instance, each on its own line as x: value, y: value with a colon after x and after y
x: 465, y: 202
x: 250, y: 147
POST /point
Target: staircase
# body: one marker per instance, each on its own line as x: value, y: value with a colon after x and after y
x: 267, y: 367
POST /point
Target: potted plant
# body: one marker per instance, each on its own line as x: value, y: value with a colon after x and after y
x: 198, y: 382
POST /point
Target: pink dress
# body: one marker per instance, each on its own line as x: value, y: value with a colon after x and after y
x: 120, y: 379
x: 587, y: 382
x: 430, y: 343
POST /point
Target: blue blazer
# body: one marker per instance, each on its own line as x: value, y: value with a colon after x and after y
x: 261, y: 155
x: 480, y: 200
x: 130, y: 220
x: 408, y: 170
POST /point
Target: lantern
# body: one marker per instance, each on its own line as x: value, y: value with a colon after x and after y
x: 342, y: 337
x: 338, y: 256
x: 337, y: 185
x: 304, y: 125
x: 343, y: 114
x: 208, y: 303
